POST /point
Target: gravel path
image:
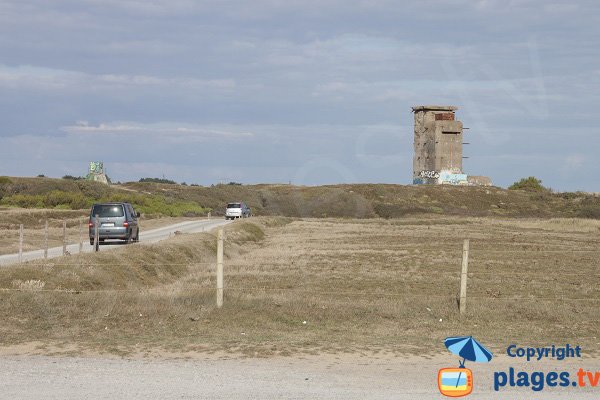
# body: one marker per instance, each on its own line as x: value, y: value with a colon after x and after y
x: 322, y: 377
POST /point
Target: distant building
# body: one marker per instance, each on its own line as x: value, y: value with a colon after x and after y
x: 96, y: 172
x: 438, y: 145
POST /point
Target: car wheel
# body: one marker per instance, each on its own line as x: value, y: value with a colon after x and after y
x: 91, y: 242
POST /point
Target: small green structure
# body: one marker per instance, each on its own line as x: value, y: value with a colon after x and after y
x: 96, y: 172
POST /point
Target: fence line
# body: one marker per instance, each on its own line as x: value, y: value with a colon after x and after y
x: 51, y: 264
x: 416, y: 273
x: 518, y: 249
x: 43, y: 244
x: 421, y: 273
x: 303, y: 291
x: 411, y: 272
x: 553, y: 274
x: 539, y: 251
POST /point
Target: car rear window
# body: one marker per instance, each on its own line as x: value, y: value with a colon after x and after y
x: 107, y: 210
x: 234, y: 205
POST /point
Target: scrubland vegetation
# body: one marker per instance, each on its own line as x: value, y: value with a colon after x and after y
x: 345, y: 201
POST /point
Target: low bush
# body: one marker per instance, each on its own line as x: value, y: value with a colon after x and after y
x: 530, y: 184
x: 158, y: 180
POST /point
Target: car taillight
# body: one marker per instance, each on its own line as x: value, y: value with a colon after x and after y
x: 126, y: 224
x: 91, y: 224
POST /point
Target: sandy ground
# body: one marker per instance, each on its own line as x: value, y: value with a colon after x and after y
x: 218, y: 377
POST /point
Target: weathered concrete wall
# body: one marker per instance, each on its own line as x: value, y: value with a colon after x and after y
x: 451, y: 178
x: 479, y: 180
x: 448, y: 146
x: 437, y: 142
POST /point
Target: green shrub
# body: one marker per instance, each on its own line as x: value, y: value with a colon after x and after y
x: 158, y: 180
x: 147, y: 204
x: 52, y: 199
x: 530, y: 184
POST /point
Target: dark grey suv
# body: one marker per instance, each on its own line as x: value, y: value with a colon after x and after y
x: 116, y: 221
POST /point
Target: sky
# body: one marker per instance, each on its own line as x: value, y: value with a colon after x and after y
x: 307, y: 92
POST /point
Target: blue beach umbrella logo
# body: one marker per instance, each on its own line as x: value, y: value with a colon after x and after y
x: 457, y: 382
x: 469, y: 349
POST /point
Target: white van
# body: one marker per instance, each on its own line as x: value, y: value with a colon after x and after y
x: 237, y: 210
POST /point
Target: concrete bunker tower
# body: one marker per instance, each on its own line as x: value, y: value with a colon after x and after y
x: 438, y: 145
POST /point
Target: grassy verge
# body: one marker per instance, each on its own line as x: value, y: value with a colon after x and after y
x: 116, y: 301
x: 319, y: 286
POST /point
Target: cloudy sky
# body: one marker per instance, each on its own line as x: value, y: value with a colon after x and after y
x: 310, y: 92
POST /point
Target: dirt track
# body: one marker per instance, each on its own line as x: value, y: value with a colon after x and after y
x: 314, y: 377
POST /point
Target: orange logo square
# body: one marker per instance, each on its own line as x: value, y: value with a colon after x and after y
x: 455, y: 382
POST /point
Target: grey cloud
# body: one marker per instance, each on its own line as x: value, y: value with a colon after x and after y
x: 163, y: 132
x: 322, y: 83
x: 47, y: 78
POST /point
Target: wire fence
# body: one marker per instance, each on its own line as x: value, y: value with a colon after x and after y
x: 26, y: 242
x: 470, y: 280
x: 315, y: 292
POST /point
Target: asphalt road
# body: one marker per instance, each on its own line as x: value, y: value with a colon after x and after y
x: 150, y: 236
x: 317, y: 377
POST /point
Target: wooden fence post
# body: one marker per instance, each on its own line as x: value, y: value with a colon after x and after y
x: 220, y: 268
x: 96, y: 233
x: 80, y: 235
x: 46, y: 241
x: 463, y: 277
x: 20, y: 243
x: 64, y: 237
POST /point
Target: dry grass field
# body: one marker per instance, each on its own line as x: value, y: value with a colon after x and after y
x: 318, y: 285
